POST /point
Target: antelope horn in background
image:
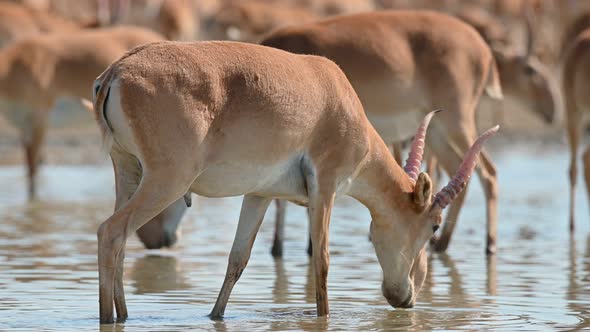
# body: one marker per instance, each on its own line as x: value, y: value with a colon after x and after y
x: 459, y: 181
x: 414, y: 160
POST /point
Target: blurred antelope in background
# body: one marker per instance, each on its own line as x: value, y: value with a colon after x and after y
x: 576, y: 69
x: 402, y: 64
x: 248, y: 20
x: 37, y: 70
x: 226, y: 119
x: 18, y: 21
x: 525, y: 80
x: 175, y: 19
x: 338, y: 7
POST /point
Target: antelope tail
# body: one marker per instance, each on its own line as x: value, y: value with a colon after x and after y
x: 100, y: 95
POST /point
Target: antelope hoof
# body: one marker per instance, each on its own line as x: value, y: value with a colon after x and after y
x: 276, y: 251
x: 441, y: 245
x: 215, y: 316
x: 109, y: 320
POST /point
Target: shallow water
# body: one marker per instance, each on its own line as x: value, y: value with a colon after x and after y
x: 540, y: 278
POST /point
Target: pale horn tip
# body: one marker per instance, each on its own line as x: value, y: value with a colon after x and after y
x: 491, y: 131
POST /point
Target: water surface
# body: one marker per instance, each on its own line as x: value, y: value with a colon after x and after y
x: 540, y: 278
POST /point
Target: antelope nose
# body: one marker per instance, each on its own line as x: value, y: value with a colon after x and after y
x: 165, y: 240
x: 399, y: 299
x: 168, y: 239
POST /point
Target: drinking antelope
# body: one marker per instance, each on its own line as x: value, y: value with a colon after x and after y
x: 225, y: 119
x: 576, y: 67
x: 402, y: 64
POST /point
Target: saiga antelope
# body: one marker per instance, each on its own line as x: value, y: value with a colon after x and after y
x: 402, y: 64
x: 248, y: 20
x: 524, y: 78
x: 576, y: 69
x: 338, y: 7
x: 18, y: 21
x: 226, y: 119
x: 35, y: 71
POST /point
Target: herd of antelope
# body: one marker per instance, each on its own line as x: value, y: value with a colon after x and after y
x: 294, y: 106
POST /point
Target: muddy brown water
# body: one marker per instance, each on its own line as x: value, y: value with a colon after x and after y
x: 539, y: 280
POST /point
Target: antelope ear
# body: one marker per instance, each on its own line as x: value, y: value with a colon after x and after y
x: 422, y: 194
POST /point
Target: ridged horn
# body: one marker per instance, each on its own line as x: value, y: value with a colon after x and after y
x: 414, y: 160
x: 459, y: 181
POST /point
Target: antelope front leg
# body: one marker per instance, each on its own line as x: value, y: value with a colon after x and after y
x: 573, y: 131
x: 396, y: 150
x: 32, y: 140
x: 320, y: 209
x: 433, y: 169
x: 450, y: 160
x: 119, y: 292
x: 586, y: 160
x: 251, y: 215
x: 277, y: 246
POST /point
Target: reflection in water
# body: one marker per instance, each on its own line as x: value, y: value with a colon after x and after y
x: 492, y: 275
x: 48, y: 276
x: 280, y: 291
x: 578, y: 294
x: 112, y: 327
x: 157, y: 274
x: 396, y: 320
x: 310, y: 285
x: 457, y: 293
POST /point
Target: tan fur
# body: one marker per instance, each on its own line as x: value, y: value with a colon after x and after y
x: 407, y: 62
x: 223, y: 119
x: 576, y: 74
x: 35, y: 71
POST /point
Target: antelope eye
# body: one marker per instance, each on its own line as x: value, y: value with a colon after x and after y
x: 435, y: 228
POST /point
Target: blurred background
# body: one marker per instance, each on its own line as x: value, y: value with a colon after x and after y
x: 507, y: 25
x: 539, y: 279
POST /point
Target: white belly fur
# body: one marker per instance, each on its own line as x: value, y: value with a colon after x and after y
x: 281, y: 180
x: 396, y: 127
